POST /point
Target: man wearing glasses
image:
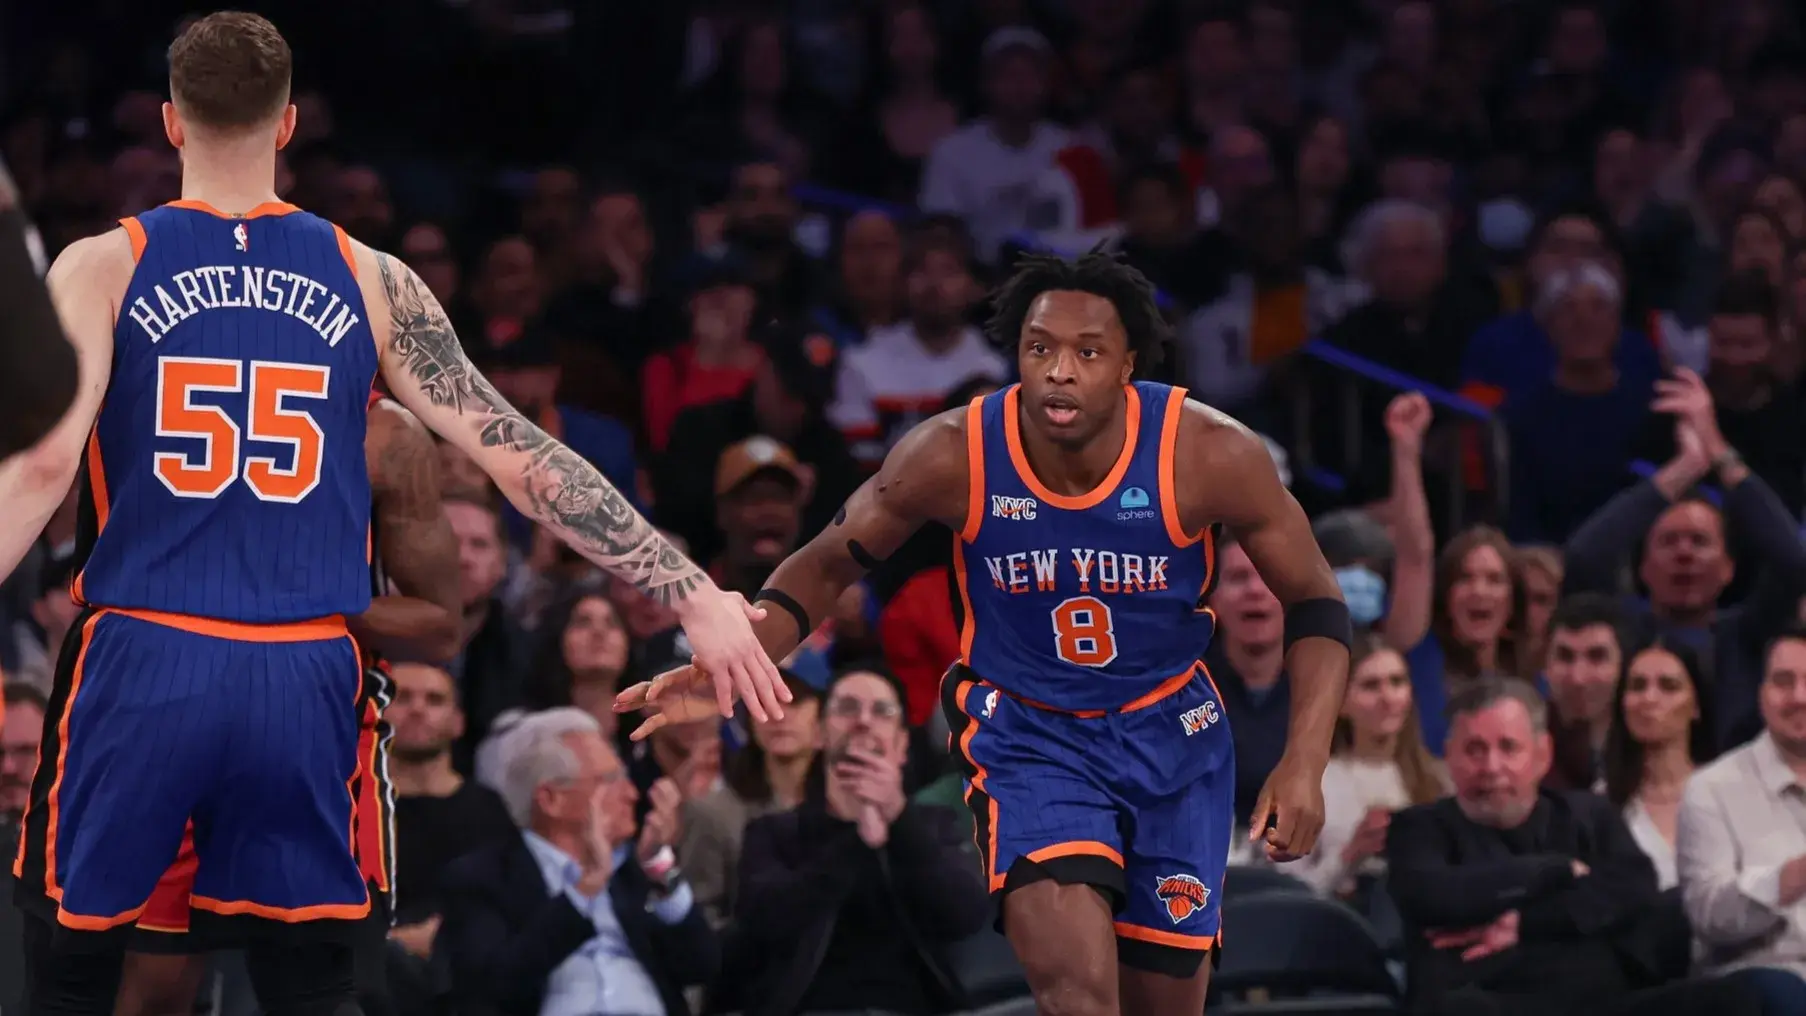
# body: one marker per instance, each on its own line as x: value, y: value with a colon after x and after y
x: 849, y: 901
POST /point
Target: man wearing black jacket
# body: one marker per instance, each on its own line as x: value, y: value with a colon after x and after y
x: 1517, y: 901
x: 848, y: 902
x: 576, y: 915
x: 38, y: 369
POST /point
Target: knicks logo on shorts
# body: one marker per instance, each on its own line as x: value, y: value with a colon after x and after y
x: 1183, y: 895
x: 1198, y: 717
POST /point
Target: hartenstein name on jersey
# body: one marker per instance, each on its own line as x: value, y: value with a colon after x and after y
x: 214, y: 287
x: 1100, y: 571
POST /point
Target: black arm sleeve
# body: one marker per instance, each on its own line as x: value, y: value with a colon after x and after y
x: 37, y: 364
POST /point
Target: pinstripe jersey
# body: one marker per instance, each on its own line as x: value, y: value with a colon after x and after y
x: 1081, y: 603
x: 226, y: 475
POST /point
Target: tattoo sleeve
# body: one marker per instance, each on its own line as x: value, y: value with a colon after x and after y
x: 544, y: 478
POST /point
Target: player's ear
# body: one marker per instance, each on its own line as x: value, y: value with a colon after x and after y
x: 172, y: 125
x: 285, y: 131
x: 1128, y: 367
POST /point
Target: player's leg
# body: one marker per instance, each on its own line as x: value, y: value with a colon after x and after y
x: 1177, y: 848
x: 125, y: 740
x: 166, y: 964
x: 1048, y: 839
x: 274, y: 832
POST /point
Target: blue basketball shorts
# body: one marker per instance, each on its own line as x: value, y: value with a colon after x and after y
x: 248, y: 731
x: 1138, y: 803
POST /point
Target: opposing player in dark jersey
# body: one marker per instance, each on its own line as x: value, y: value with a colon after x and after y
x: 37, y: 364
x: 1087, y: 508
x: 413, y: 615
x: 227, y: 345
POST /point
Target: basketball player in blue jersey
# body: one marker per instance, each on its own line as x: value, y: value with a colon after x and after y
x: 227, y: 344
x: 413, y: 615
x: 1087, y: 508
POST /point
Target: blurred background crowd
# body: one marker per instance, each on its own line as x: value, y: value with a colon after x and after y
x: 1516, y: 289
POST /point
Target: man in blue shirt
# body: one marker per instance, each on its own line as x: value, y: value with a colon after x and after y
x: 579, y: 915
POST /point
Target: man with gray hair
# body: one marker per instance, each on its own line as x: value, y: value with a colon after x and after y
x: 1557, y: 481
x: 1522, y: 900
x: 577, y: 915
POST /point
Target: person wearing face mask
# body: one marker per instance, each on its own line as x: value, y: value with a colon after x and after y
x: 1686, y: 562
x: 1520, y: 902
x: 1377, y: 766
x: 1660, y: 732
x: 1580, y: 674
x: 1740, y: 843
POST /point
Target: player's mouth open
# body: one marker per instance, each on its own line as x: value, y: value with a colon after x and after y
x: 1061, y: 411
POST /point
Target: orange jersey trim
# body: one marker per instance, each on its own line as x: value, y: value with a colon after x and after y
x: 345, y: 248
x: 1012, y: 433
x: 975, y: 469
x: 1168, y: 938
x: 97, y: 487
x: 1077, y: 848
x: 287, y: 915
x: 993, y: 880
x: 51, y: 888
x: 267, y: 208
x: 135, y: 231
x: 315, y: 630
x: 1168, y: 473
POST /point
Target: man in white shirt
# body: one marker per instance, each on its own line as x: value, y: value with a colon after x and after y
x: 902, y: 373
x: 577, y: 916
x: 1741, y: 841
x: 987, y: 171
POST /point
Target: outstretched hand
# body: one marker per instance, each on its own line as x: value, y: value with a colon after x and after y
x: 684, y: 695
x: 719, y: 626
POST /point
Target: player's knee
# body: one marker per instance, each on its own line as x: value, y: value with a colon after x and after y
x: 1077, y: 993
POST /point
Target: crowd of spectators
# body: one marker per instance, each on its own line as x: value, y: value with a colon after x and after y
x: 1516, y: 289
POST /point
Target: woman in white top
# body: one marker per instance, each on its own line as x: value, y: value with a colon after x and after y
x: 1379, y: 765
x: 1660, y: 732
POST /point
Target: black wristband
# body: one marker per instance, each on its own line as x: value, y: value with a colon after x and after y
x: 1319, y: 618
x: 804, y: 627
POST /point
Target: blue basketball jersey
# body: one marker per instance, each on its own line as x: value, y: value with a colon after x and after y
x: 1083, y: 603
x: 225, y: 477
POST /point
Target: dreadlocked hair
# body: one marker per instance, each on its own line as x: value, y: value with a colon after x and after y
x: 1100, y: 273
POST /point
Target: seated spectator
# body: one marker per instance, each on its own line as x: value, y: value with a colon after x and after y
x: 1581, y: 672
x: 760, y: 491
x: 686, y: 754
x: 1741, y: 843
x: 40, y: 640
x: 849, y: 901
x: 1558, y: 481
x: 1660, y: 731
x: 1757, y: 411
x: 913, y: 105
x: 764, y: 776
x: 1520, y: 901
x: 868, y: 294
x: 1135, y: 129
x: 1476, y: 626
x: 1399, y: 249
x: 584, y: 650
x: 1247, y: 660
x: 21, y: 727
x: 1266, y: 313
x: 1539, y: 571
x: 494, y: 648
x: 716, y: 361
x: 787, y: 401
x: 985, y: 172
x: 1513, y: 354
x: 1162, y: 238
x: 577, y: 913
x: 1686, y: 563
x: 1378, y: 764
x: 439, y: 815
x: 759, y: 231
x: 902, y: 374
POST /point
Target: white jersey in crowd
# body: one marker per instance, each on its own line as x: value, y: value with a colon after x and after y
x: 972, y: 173
x: 891, y: 382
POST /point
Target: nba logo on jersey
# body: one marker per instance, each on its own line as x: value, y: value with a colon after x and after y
x: 1134, y: 505
x: 1183, y: 895
x: 242, y: 237
x: 990, y: 703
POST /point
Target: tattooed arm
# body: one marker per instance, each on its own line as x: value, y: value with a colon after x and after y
x: 427, y: 371
x: 414, y: 541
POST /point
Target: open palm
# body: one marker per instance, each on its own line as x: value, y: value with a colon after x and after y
x: 684, y: 695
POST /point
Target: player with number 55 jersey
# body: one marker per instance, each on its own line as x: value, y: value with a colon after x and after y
x: 228, y: 343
